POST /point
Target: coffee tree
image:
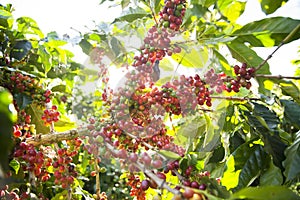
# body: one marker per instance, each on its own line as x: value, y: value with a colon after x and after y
x: 193, y: 112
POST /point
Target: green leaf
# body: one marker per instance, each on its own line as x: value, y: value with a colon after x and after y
x: 196, y: 11
x: 166, y: 65
x: 211, y: 135
x: 6, y: 105
x: 253, y: 167
x: 64, y: 124
x: 291, y: 112
x: 270, y: 118
x: 272, y: 176
x: 274, y: 145
x: 132, y: 14
x: 231, y: 174
x: 231, y: 9
x: 15, y: 165
x: 116, y: 46
x: 196, y: 58
x: 45, y: 58
x: 86, y: 46
x: 270, y: 6
x: 22, y: 100
x: 8, y: 116
x: 291, y: 164
x: 217, y: 155
x: 59, y: 88
x: 20, y: 49
x: 266, y: 192
x: 191, y: 126
x: 36, y: 113
x: 157, y: 5
x: 257, y: 123
x: 27, y: 25
x: 244, y: 54
x: 244, y: 165
x: 290, y: 89
x: 267, y: 32
x: 205, y: 3
x: 125, y: 3
x: 5, y: 18
x: 169, y: 154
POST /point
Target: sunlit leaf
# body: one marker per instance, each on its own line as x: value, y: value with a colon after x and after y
x: 169, y: 154
x: 231, y: 9
x: 270, y: 6
x: 230, y: 177
x: 267, y: 32
x: 125, y: 3
x: 36, y: 113
x: 8, y: 116
x: 15, y: 165
x: 64, y: 124
x: 265, y: 192
x: 29, y: 26
x: 243, y: 53
x: 5, y: 18
x: 132, y: 14
x: 45, y: 58
x: 59, y: 88
x: 290, y: 89
x: 196, y: 58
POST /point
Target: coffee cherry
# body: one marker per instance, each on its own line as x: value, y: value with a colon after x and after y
x: 194, y: 184
x: 145, y: 185
x: 188, y: 193
x: 202, y: 186
x: 157, y: 164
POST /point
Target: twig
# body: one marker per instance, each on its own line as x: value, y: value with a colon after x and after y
x: 284, y: 41
x: 236, y: 98
x: 160, y: 182
x: 98, y: 189
x: 52, y: 138
x: 177, y: 67
x: 277, y: 76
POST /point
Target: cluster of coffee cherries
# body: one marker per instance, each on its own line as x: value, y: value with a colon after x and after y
x: 18, y: 82
x: 215, y: 81
x: 157, y: 44
x: 64, y: 168
x: 35, y: 160
x: 172, y: 14
x: 50, y: 115
x: 136, y: 188
x: 190, y: 91
x: 26, y: 130
x: 145, y: 184
x: 5, y: 194
x: 243, y: 76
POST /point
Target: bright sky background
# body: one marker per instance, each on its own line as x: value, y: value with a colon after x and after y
x: 61, y: 15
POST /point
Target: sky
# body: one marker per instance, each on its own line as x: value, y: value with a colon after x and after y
x: 61, y: 15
